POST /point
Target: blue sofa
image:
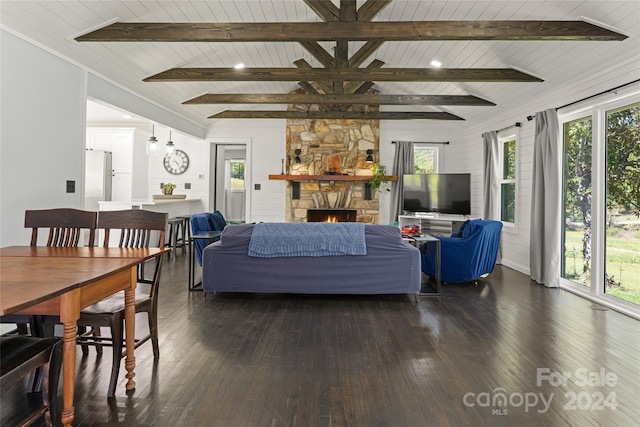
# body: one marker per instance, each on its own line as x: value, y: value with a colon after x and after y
x: 468, y: 254
x: 390, y: 266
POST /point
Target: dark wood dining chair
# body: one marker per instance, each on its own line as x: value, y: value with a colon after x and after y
x: 22, y: 355
x: 61, y: 227
x: 137, y: 229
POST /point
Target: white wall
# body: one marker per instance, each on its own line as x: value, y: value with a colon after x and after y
x: 265, y: 139
x: 452, y: 158
x: 197, y: 174
x: 42, y: 133
x: 42, y: 116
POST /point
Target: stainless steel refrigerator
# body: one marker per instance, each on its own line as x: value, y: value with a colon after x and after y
x: 98, y: 178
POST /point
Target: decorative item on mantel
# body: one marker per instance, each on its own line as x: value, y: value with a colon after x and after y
x: 379, y: 177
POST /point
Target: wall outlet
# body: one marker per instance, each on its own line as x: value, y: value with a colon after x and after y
x: 71, y: 186
x: 187, y: 186
x: 161, y: 185
x: 256, y: 186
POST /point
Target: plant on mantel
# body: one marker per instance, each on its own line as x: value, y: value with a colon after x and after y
x: 379, y: 177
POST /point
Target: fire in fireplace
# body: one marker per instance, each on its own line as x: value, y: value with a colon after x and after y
x: 331, y: 215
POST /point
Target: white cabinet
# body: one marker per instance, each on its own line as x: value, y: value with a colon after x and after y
x: 434, y: 225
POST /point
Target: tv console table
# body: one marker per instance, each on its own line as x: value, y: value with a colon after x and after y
x: 433, y: 224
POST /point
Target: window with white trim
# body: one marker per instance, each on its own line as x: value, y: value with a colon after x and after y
x: 425, y: 158
x: 508, y: 178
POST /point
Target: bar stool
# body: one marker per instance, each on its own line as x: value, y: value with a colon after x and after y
x: 187, y: 227
x: 176, y: 235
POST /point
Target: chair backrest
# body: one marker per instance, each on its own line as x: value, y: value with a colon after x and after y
x: 64, y: 224
x: 136, y: 227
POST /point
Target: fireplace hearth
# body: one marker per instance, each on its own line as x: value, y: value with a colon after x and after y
x: 331, y: 215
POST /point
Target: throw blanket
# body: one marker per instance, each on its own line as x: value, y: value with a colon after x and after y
x: 272, y: 240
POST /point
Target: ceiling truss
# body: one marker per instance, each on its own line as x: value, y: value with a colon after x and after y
x: 342, y: 83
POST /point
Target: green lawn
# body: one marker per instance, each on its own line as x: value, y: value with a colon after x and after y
x: 623, y: 260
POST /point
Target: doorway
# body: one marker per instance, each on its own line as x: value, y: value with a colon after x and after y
x: 230, y: 181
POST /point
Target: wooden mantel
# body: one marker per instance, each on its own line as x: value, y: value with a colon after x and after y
x: 327, y: 177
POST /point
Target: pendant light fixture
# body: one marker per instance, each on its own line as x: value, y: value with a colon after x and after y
x: 152, y: 144
x: 170, y: 148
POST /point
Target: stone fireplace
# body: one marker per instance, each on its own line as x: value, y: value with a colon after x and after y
x: 330, y: 147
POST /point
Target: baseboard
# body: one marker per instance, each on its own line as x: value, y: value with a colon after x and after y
x: 515, y: 266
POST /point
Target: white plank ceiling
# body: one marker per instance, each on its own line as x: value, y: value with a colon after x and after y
x: 55, y: 24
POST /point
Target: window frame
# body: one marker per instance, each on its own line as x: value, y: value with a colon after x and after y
x: 597, y: 109
x: 426, y: 146
x: 228, y: 168
x: 503, y: 138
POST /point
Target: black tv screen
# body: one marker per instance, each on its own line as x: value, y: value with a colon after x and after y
x: 447, y: 193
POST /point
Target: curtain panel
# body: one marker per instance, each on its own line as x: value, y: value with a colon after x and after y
x: 546, y: 201
x: 402, y: 164
x: 491, y: 209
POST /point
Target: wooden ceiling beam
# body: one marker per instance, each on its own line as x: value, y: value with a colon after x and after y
x: 363, y: 53
x: 356, y: 31
x: 371, y: 8
x: 345, y: 74
x: 341, y: 99
x: 308, y: 88
x: 326, y: 86
x: 363, y: 87
x: 319, y: 53
x: 324, y: 9
x: 373, y: 115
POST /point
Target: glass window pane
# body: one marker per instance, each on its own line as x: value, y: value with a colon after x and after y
x: 508, y: 202
x: 237, y: 174
x: 509, y: 160
x: 425, y: 160
x: 576, y: 265
x: 622, y: 247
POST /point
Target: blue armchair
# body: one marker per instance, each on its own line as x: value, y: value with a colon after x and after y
x: 468, y: 254
x: 202, y: 222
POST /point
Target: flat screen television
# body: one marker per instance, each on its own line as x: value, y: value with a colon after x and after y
x: 447, y: 193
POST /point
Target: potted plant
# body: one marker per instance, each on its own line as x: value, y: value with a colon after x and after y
x: 167, y: 188
x: 379, y: 177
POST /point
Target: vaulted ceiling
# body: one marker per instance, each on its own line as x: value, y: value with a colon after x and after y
x: 181, y: 54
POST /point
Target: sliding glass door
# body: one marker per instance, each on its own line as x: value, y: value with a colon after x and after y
x: 622, y: 237
x: 601, y: 227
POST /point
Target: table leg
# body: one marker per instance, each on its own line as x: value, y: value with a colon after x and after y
x: 192, y: 257
x: 69, y: 315
x: 438, y: 267
x: 130, y: 329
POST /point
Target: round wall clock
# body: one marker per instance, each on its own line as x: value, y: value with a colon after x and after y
x: 176, y: 163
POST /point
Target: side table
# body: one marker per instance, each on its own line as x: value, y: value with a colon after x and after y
x: 207, y: 235
x: 431, y: 243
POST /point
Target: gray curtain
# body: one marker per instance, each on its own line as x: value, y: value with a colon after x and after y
x: 402, y: 163
x: 491, y: 208
x: 546, y: 201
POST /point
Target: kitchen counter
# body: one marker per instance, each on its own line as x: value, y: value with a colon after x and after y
x: 173, y: 207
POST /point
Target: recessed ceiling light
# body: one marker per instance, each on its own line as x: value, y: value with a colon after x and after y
x: 238, y: 66
x: 436, y: 63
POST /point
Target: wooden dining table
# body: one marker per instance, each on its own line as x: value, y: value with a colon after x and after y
x: 61, y: 281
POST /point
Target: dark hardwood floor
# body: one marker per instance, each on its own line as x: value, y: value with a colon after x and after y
x: 292, y: 360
